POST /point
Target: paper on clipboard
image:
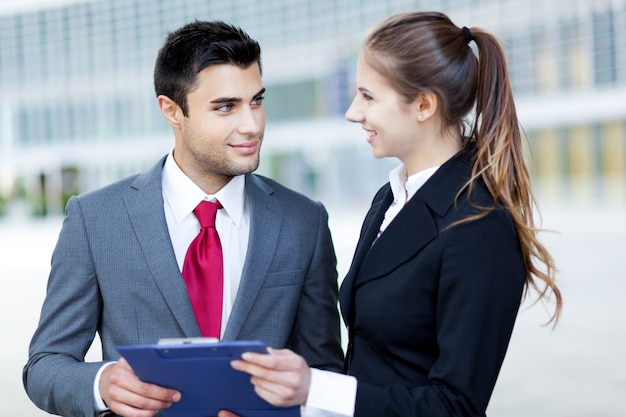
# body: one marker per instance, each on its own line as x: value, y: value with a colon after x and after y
x: 202, y: 373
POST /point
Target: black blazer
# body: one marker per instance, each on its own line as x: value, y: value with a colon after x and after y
x: 430, y: 309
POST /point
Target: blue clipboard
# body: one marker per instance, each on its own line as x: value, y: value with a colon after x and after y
x: 203, y: 375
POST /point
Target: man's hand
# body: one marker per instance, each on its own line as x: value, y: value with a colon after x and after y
x: 225, y: 413
x: 281, y: 377
x: 128, y: 396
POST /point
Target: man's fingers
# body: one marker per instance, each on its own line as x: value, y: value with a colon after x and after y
x: 143, y: 398
x: 126, y: 395
x: 225, y: 413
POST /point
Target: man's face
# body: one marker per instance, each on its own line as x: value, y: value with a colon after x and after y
x: 222, y: 134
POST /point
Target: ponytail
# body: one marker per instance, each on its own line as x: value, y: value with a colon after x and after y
x: 497, y: 139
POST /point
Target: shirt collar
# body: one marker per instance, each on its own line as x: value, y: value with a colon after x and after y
x: 403, y: 187
x: 183, y: 195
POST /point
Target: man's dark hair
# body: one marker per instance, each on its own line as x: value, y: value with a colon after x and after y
x: 195, y: 46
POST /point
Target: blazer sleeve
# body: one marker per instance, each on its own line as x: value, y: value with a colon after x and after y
x: 316, y: 333
x: 56, y: 378
x: 480, y: 286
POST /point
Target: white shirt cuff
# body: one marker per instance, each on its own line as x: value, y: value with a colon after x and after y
x: 330, y: 394
x: 97, y: 398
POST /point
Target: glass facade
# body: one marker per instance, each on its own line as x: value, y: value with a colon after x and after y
x: 76, y: 80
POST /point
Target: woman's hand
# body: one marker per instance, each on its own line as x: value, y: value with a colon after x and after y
x: 280, y: 377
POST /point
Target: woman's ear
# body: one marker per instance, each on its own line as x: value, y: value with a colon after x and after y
x: 425, y: 106
x: 170, y: 110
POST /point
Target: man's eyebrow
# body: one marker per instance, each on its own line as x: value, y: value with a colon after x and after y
x: 226, y: 100
x: 235, y: 99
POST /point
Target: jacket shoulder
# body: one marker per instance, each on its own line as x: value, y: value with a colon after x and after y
x: 287, y: 195
x: 105, y: 196
x: 114, y: 191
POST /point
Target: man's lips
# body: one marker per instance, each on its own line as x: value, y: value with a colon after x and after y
x: 247, y: 148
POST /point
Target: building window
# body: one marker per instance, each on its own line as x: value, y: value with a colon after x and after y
x: 574, y: 58
x: 520, y: 62
x: 604, y: 63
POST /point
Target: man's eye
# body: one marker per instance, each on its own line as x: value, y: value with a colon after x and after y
x: 258, y: 101
x: 225, y: 107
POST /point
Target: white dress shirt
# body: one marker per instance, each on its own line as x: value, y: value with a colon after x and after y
x: 180, y: 197
x: 332, y: 394
x: 403, y: 188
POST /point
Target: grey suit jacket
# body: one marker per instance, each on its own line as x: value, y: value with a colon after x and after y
x: 114, y: 272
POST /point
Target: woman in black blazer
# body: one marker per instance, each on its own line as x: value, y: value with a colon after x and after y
x: 448, y: 245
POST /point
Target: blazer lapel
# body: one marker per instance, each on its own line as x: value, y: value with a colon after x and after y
x: 145, y: 208
x: 406, y: 235
x: 369, y: 231
x: 265, y: 218
x: 371, y: 226
x: 412, y: 229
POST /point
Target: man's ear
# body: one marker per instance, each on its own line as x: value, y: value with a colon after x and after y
x: 170, y: 110
x: 425, y: 106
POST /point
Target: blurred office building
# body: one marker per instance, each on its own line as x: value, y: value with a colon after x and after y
x: 78, y: 110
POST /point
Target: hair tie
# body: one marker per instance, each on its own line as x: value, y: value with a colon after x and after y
x: 468, y: 34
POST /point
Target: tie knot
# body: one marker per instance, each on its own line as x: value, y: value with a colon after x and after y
x: 206, y: 211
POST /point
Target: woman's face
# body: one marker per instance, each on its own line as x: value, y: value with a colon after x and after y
x: 391, y: 124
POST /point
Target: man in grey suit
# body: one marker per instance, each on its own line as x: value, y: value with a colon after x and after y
x: 116, y: 269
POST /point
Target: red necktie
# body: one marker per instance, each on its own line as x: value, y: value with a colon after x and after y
x: 203, y: 271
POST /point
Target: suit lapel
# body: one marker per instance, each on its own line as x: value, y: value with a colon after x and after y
x: 412, y: 229
x: 144, y: 204
x: 371, y: 225
x: 369, y: 231
x: 266, y: 215
x: 406, y: 235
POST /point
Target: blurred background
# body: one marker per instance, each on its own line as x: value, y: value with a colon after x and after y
x: 78, y: 110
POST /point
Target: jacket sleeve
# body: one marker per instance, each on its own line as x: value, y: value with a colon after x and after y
x: 56, y: 378
x: 316, y: 334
